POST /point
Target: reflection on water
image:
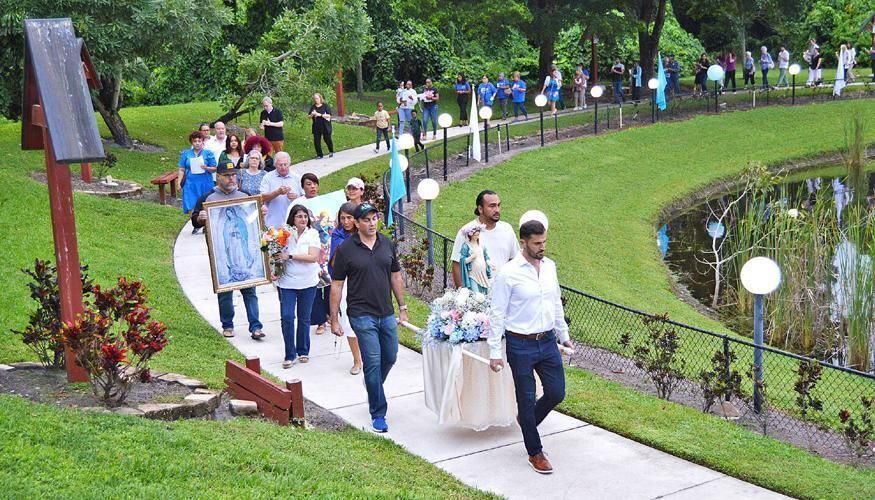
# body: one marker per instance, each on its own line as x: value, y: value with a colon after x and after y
x: 685, y: 241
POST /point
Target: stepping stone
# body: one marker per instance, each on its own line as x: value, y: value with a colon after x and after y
x: 243, y: 407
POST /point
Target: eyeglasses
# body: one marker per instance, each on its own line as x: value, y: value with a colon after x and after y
x: 302, y: 216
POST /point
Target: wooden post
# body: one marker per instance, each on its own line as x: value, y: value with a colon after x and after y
x: 254, y: 364
x: 297, y: 409
x: 60, y: 188
x: 338, y: 90
x: 86, y: 173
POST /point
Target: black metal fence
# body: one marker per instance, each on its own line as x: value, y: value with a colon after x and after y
x: 446, y: 160
x: 607, y: 334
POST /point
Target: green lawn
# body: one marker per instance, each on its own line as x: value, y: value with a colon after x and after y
x: 169, y: 126
x: 602, y: 236
x: 48, y: 452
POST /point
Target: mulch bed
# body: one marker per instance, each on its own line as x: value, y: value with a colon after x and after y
x: 50, y: 387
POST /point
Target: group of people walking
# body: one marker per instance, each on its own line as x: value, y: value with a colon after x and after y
x: 365, y: 275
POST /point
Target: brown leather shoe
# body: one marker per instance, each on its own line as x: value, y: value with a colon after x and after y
x: 540, y: 463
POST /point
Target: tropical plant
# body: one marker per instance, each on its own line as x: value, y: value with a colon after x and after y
x: 859, y: 432
x: 657, y: 354
x: 720, y: 380
x: 43, y: 331
x: 115, y: 338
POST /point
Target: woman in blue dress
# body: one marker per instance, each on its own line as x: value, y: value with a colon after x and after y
x: 196, y: 167
x: 552, y: 88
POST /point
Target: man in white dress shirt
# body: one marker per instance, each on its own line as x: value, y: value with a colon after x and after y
x: 527, y: 310
x: 497, y: 237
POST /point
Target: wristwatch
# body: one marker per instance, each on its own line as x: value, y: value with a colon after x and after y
x: 402, y: 308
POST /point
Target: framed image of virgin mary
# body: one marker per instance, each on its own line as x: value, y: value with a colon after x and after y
x: 234, y: 229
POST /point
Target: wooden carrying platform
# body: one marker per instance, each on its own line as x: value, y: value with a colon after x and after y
x: 283, y: 406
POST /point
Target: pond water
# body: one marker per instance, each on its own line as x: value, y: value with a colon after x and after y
x: 684, y: 240
x: 692, y: 241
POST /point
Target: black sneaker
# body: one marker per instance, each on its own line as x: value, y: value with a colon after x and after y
x: 194, y: 230
x: 331, y: 155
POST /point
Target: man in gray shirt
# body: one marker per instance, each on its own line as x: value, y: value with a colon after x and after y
x: 226, y: 189
x: 279, y: 189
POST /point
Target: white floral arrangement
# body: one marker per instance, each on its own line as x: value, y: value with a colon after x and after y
x: 458, y: 316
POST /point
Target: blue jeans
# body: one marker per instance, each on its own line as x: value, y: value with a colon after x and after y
x: 226, y: 308
x: 525, y: 357
x: 378, y: 341
x: 429, y: 113
x: 403, y: 119
x: 290, y: 301
x: 385, y: 133
x: 520, y: 107
x: 618, y: 91
x: 765, y: 77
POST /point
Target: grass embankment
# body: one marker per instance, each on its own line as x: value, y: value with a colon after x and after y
x: 64, y: 453
x: 606, y: 192
x: 604, y: 197
x: 49, y: 452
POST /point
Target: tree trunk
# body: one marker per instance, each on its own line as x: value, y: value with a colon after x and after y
x: 648, y: 42
x: 545, y: 57
x: 107, y: 104
x: 647, y: 55
x: 359, y: 80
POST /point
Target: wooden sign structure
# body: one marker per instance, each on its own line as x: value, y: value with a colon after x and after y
x: 58, y: 117
x: 283, y: 406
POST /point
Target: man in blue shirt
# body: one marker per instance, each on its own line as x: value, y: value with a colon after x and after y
x: 502, y: 86
x: 518, y: 95
x: 485, y: 92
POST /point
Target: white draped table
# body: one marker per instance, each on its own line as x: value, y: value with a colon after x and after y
x: 462, y: 390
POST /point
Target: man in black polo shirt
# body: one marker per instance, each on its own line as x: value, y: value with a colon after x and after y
x: 368, y: 263
x: 272, y: 124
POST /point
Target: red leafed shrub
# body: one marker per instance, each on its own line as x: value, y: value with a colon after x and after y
x: 115, y: 338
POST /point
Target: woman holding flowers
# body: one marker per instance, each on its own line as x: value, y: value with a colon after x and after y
x: 297, y: 285
x: 344, y: 229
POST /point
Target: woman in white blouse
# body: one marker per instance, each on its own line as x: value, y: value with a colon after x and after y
x: 297, y: 285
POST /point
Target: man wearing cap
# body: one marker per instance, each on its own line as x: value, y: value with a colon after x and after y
x: 355, y: 190
x: 496, y: 236
x: 278, y: 189
x: 527, y: 310
x: 226, y: 189
x: 369, y: 264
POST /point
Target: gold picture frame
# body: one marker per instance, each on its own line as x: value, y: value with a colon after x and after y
x: 233, y: 231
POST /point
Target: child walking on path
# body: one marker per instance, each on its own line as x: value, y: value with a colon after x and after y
x: 416, y: 131
x: 382, y: 118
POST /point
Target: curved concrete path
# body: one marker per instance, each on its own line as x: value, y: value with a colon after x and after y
x: 590, y: 462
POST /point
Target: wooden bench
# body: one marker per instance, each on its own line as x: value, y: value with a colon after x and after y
x: 274, y: 403
x: 164, y: 179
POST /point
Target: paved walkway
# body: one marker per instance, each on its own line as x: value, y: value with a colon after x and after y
x: 590, y: 462
x: 359, y: 154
